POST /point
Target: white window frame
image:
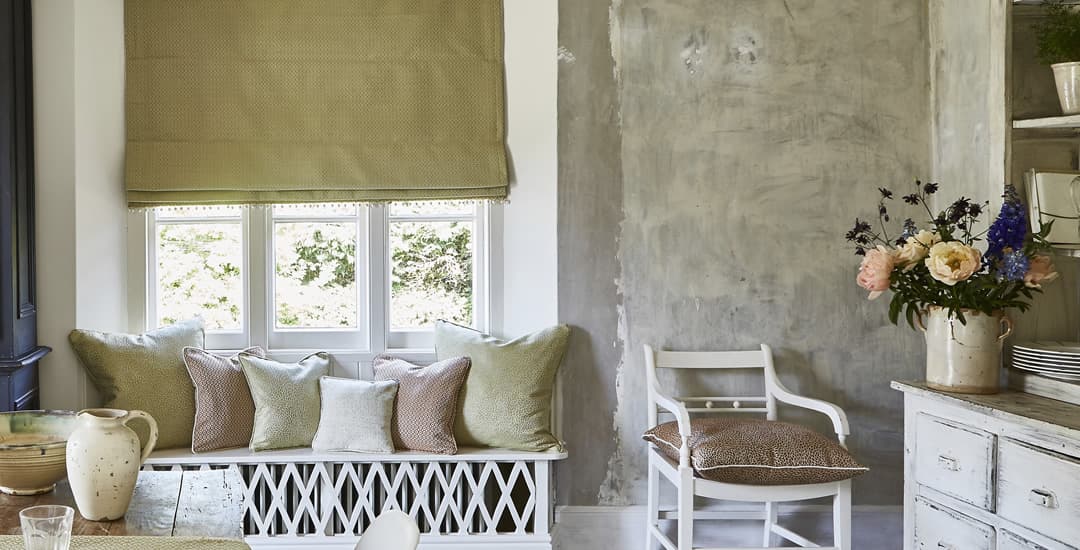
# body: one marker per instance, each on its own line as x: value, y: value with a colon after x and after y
x: 373, y: 335
x: 415, y: 339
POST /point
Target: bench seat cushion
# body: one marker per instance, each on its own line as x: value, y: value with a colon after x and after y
x: 307, y: 455
x: 757, y: 452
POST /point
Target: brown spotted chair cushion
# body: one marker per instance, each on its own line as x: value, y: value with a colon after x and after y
x: 427, y: 402
x: 224, y: 410
x: 757, y: 452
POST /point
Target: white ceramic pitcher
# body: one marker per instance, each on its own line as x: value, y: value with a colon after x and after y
x: 964, y: 358
x: 103, y: 461
x: 1067, y: 78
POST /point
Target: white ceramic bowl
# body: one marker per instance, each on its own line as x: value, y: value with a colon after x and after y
x: 32, y: 450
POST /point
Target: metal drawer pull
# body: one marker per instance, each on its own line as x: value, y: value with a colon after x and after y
x: 1042, y: 497
x: 945, y: 546
x: 949, y: 463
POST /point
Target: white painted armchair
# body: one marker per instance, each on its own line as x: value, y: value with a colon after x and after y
x: 682, y: 476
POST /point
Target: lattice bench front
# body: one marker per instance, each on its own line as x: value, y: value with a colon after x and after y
x: 299, y: 498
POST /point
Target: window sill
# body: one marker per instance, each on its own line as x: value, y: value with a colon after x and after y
x: 346, y: 356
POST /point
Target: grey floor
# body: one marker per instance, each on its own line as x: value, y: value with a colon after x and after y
x: 871, y: 530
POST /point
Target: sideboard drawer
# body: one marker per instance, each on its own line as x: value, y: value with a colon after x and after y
x: 1007, y: 540
x: 1039, y: 489
x: 955, y: 459
x: 940, y: 528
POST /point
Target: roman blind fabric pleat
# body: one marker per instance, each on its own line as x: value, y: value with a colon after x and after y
x: 285, y: 101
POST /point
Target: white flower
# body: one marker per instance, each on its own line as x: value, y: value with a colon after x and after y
x: 953, y: 261
x: 916, y: 248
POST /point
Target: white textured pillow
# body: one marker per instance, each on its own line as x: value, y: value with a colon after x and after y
x: 355, y: 415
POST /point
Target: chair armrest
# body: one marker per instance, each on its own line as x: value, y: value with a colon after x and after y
x: 682, y: 419
x: 835, y: 413
x: 780, y: 393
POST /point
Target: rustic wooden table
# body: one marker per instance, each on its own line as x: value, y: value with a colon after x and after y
x: 176, y: 504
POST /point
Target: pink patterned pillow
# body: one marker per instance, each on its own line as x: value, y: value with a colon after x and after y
x: 426, y: 405
x: 224, y: 410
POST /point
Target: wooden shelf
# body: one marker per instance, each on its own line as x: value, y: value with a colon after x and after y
x: 1067, y: 251
x: 1067, y: 121
x: 1039, y: 2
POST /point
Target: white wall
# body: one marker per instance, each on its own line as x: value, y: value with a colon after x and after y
x: 528, y: 248
x: 79, y: 125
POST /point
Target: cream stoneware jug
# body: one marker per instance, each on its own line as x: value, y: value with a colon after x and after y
x: 963, y: 357
x: 103, y: 461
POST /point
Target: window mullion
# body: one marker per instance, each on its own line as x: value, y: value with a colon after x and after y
x: 481, y: 269
x: 378, y: 310
x: 258, y: 242
x: 145, y: 316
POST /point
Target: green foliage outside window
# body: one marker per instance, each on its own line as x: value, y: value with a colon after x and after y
x: 199, y: 273
x: 432, y: 274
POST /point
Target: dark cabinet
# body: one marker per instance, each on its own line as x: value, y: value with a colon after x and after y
x: 19, y: 352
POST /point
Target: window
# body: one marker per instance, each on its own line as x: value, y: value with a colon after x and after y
x: 335, y: 277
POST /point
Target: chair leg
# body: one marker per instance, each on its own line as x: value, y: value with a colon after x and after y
x: 686, y: 509
x: 653, y: 510
x: 842, y: 517
x: 770, y: 520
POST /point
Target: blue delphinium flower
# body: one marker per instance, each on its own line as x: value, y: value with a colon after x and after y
x: 1014, y: 266
x: 1008, y: 231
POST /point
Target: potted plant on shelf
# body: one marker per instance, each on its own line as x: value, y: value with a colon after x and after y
x: 954, y: 293
x: 1058, y: 39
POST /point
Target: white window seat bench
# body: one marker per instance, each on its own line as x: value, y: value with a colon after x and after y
x: 299, y: 498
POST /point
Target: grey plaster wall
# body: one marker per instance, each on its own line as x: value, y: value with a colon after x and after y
x: 712, y: 154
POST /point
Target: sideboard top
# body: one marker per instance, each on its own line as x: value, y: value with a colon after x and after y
x: 1009, y: 404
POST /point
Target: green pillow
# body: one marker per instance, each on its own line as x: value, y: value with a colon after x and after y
x: 506, y: 400
x: 286, y: 397
x: 145, y: 372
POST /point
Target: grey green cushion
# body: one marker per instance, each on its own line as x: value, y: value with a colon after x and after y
x: 286, y: 397
x: 145, y: 372
x: 506, y: 399
x: 355, y: 415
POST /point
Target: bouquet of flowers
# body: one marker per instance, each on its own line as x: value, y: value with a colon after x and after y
x: 939, y: 265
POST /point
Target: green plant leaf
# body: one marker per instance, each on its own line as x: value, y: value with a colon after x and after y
x: 894, y: 308
x: 910, y: 314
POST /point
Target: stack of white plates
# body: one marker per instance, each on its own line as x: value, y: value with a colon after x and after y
x: 1059, y: 360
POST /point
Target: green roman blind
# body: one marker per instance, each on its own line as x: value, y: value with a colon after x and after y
x: 284, y: 101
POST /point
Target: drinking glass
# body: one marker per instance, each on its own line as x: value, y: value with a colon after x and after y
x: 47, y: 527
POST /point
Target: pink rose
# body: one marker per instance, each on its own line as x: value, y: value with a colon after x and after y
x: 1040, y: 271
x: 876, y: 268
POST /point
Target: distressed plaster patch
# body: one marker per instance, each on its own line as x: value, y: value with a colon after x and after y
x: 694, y: 50
x: 566, y: 56
x: 745, y: 49
x: 613, y: 490
x: 615, y: 35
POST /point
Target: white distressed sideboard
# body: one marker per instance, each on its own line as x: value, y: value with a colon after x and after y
x: 990, y: 472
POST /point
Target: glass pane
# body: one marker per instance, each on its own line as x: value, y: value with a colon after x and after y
x: 315, y: 210
x: 433, y: 208
x: 179, y: 212
x: 315, y: 275
x: 431, y: 273
x: 198, y: 273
